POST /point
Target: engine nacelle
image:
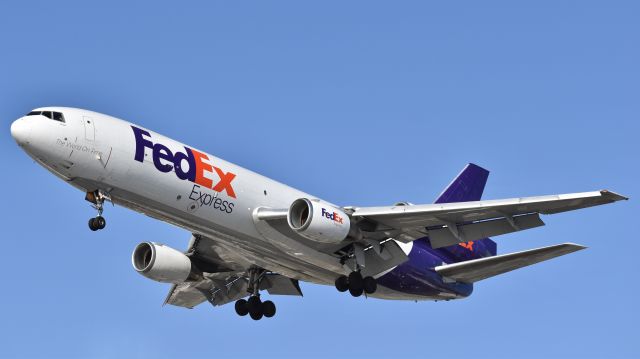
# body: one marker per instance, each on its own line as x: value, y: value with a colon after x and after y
x: 318, y: 221
x: 162, y: 263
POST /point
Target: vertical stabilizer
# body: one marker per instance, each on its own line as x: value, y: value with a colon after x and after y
x: 467, y: 186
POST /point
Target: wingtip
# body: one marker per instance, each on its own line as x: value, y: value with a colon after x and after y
x: 613, y: 196
x: 576, y: 246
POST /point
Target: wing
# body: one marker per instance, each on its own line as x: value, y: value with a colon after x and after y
x: 223, y: 278
x: 483, y: 268
x: 451, y: 223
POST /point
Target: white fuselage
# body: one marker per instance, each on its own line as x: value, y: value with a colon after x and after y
x: 92, y: 151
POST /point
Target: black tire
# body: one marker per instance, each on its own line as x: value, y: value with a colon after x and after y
x: 355, y: 280
x: 254, y: 304
x: 369, y: 285
x: 355, y: 291
x: 342, y: 283
x: 241, y: 307
x: 100, y: 222
x: 255, y: 315
x: 268, y: 309
x: 92, y: 224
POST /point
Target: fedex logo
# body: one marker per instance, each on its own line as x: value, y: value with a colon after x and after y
x: 198, y: 163
x: 332, y: 216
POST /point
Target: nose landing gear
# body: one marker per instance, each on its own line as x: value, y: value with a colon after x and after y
x: 255, y: 307
x: 97, y: 223
x: 97, y: 198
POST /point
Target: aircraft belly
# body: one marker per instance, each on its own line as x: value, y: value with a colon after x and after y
x: 249, y: 249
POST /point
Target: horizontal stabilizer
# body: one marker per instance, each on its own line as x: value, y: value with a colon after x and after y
x: 483, y: 268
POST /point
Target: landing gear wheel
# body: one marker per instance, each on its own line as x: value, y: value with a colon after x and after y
x: 342, y: 283
x: 356, y: 286
x: 355, y: 279
x: 255, y: 315
x: 100, y: 222
x: 268, y: 309
x: 92, y: 224
x: 255, y: 307
x: 369, y: 285
x: 254, y: 304
x: 355, y: 291
x: 241, y: 307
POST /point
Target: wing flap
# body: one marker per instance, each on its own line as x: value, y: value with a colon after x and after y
x: 187, y: 295
x: 277, y: 284
x: 222, y: 288
x: 483, y: 268
x: 215, y: 291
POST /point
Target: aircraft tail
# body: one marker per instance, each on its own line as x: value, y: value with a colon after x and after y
x: 467, y: 186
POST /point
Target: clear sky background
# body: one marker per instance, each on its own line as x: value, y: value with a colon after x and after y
x: 360, y: 103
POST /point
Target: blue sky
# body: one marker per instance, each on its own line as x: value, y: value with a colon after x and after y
x: 361, y: 103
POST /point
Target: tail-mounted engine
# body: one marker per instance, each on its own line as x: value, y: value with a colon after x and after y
x: 318, y: 221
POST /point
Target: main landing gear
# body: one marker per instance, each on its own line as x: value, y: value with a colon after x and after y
x: 356, y: 284
x: 253, y: 306
x: 97, y: 198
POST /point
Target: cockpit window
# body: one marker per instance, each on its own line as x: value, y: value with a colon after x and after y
x: 57, y: 116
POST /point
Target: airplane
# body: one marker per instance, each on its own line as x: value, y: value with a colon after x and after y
x: 251, y: 234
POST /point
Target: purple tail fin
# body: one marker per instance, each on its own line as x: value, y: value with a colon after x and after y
x: 467, y: 186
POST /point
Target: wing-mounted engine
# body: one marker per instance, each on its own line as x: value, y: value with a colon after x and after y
x: 324, y: 235
x: 163, y: 263
x: 318, y: 221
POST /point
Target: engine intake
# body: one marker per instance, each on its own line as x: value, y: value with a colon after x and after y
x: 162, y: 263
x: 318, y: 221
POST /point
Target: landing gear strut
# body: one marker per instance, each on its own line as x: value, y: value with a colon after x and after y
x: 253, y: 306
x: 97, y: 198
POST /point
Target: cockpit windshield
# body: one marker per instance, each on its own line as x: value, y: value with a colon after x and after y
x: 56, y: 116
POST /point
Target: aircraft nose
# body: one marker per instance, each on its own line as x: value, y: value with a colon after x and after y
x: 20, y: 131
